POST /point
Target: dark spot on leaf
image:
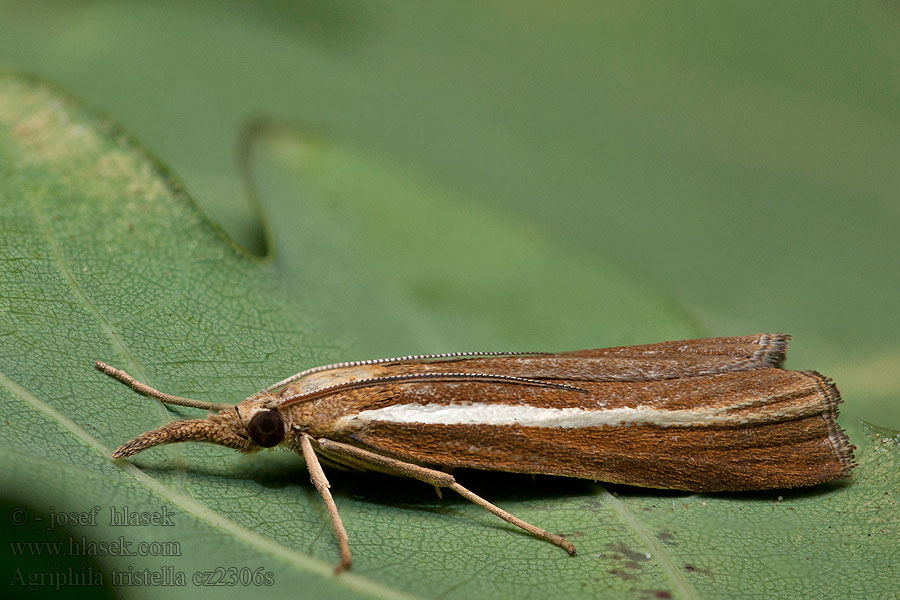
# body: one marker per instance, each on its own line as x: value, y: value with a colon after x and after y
x: 649, y: 594
x: 627, y: 552
x: 631, y: 560
x: 695, y: 569
x: 625, y: 575
x: 667, y: 538
x: 571, y: 534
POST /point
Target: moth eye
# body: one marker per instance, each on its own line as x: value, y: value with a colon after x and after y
x: 266, y: 428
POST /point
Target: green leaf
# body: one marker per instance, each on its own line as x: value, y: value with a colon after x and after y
x: 103, y: 256
x: 740, y: 161
x: 402, y: 266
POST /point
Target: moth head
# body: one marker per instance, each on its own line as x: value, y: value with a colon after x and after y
x: 266, y: 427
x: 246, y: 427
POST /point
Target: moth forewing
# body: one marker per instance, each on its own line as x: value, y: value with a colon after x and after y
x: 702, y: 415
x: 732, y: 431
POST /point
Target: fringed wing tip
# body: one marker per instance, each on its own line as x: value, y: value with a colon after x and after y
x: 838, y: 438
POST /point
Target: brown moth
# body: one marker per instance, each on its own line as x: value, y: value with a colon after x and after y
x: 702, y: 415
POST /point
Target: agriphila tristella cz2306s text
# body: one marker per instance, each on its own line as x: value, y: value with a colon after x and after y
x: 701, y: 415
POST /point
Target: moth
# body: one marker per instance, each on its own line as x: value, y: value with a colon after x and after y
x: 701, y: 415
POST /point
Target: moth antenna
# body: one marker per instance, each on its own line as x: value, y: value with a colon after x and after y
x: 143, y: 388
x: 395, y: 360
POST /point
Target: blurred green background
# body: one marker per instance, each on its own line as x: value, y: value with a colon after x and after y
x: 738, y: 160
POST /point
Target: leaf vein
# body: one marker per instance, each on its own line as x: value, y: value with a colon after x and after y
x: 657, y: 551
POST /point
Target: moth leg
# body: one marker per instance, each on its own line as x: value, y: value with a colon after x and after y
x: 321, y: 482
x: 438, y: 479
